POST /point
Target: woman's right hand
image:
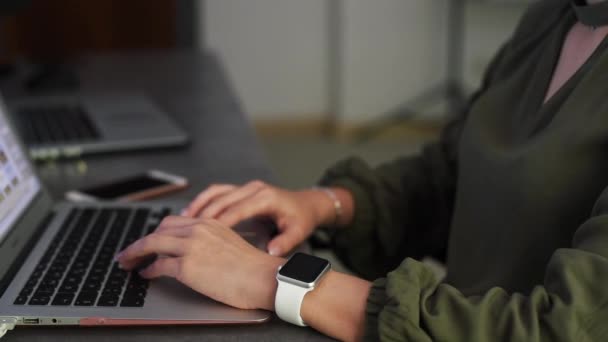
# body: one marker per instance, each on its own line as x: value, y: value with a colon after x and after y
x: 296, y: 213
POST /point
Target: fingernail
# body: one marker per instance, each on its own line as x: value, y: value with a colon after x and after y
x: 116, y: 257
x: 274, y: 251
x: 184, y: 212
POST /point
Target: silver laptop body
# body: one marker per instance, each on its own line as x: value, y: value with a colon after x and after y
x: 110, y: 122
x: 32, y: 233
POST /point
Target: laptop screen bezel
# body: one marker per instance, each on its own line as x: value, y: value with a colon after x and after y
x: 25, y: 227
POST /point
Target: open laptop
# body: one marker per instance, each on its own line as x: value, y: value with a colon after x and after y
x: 56, y: 259
x: 73, y: 125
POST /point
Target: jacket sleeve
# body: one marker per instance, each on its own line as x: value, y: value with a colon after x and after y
x: 571, y: 304
x: 402, y: 208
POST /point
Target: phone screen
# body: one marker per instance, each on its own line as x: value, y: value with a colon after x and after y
x: 124, y: 187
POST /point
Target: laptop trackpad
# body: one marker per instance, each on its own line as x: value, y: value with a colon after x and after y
x: 171, y: 299
x: 171, y: 289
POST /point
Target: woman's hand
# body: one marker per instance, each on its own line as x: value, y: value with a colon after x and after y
x: 296, y: 213
x: 210, y: 258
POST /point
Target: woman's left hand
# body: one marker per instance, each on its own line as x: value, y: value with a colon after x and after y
x: 210, y: 258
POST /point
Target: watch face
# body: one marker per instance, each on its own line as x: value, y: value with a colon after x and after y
x: 303, y: 267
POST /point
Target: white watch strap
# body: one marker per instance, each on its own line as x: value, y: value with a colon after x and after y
x: 288, y: 302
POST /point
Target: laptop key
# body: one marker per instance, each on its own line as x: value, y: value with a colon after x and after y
x: 64, y: 255
x: 118, y: 273
x: 79, y: 264
x: 40, y: 298
x: 53, y: 276
x: 26, y: 291
x: 68, y: 288
x: 46, y: 288
x: 138, y: 280
x: 31, y: 283
x: 105, y: 257
x: 63, y: 299
x: 72, y: 279
x: 86, y: 299
x: 36, y: 275
x: 115, y: 282
x: 108, y: 300
x: 137, y: 293
x: 112, y: 290
x: 91, y: 286
x: 109, y: 249
x: 94, y: 278
x: 39, y: 269
x: 78, y: 272
x: 49, y: 282
x: 132, y: 302
x: 20, y: 300
x: 102, y: 265
x: 70, y: 245
x: 57, y: 268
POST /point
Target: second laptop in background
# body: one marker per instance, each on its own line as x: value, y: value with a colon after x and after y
x: 70, y: 126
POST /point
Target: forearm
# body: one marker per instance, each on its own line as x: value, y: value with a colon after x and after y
x: 337, y: 306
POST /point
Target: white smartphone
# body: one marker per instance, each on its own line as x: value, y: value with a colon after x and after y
x: 152, y: 183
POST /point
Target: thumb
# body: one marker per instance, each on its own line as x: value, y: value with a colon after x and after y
x: 284, y: 242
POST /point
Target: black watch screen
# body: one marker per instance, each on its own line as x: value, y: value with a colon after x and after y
x: 303, y: 267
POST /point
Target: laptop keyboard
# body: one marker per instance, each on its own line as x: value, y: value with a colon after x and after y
x: 48, y: 124
x: 78, y: 268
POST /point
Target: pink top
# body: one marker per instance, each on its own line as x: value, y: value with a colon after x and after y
x: 578, y: 46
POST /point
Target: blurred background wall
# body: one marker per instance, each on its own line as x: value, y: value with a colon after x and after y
x: 279, y: 52
x: 275, y: 52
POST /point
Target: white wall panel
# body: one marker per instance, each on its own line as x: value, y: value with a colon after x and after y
x: 275, y: 52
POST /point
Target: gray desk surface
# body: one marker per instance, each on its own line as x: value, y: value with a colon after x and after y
x: 194, y: 89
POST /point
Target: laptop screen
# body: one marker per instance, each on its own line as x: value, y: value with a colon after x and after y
x: 18, y: 183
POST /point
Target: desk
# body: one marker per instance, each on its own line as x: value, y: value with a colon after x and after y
x: 193, y: 88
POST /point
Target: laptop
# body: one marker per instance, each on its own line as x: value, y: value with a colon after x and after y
x: 57, y: 126
x: 56, y: 259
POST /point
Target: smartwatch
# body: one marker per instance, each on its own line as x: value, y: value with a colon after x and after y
x: 295, y: 279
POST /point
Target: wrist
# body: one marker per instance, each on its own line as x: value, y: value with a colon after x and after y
x: 322, y: 207
x: 333, y: 206
x: 267, y: 284
x: 337, y: 306
x: 308, y: 311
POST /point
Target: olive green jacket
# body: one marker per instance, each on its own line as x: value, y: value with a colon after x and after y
x: 512, y: 198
